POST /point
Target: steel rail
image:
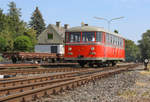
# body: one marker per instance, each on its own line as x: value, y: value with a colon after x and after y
x: 25, y: 87
x: 23, y: 65
x: 38, y: 78
x: 38, y: 71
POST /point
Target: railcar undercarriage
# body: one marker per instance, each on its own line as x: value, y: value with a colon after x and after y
x: 98, y: 63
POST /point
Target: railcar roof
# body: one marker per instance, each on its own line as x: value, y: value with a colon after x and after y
x: 89, y: 29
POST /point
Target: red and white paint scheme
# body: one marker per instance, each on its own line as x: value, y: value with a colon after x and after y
x: 93, y: 46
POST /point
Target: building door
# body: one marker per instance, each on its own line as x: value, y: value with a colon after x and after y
x: 53, y: 49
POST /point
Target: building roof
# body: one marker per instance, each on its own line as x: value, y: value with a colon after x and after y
x: 59, y: 30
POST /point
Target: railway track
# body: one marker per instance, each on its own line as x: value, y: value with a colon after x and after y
x: 37, y: 71
x: 13, y: 66
x: 20, y: 66
x: 29, y: 91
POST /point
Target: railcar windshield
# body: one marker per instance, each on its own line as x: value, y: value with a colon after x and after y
x: 88, y: 36
x: 74, y: 37
x: 83, y: 37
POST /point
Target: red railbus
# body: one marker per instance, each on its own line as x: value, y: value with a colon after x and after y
x: 93, y: 46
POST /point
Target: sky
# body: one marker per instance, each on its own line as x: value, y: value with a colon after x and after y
x: 136, y: 14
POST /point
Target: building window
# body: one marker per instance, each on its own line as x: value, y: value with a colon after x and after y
x: 50, y: 35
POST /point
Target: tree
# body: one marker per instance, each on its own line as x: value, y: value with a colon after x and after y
x: 5, y: 30
x: 13, y: 11
x: 144, y: 45
x: 37, y: 22
x: 2, y: 18
x: 116, y: 31
x: 2, y: 44
x: 31, y: 33
x: 131, y: 51
x: 11, y: 27
x: 16, y: 26
x: 23, y: 43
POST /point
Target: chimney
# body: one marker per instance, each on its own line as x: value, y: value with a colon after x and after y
x: 58, y: 24
x: 66, y: 26
x: 85, y: 24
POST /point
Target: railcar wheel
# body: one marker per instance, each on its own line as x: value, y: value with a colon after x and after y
x: 53, y: 60
x: 14, y: 59
x: 82, y: 63
x: 108, y: 64
x: 91, y: 65
x: 113, y: 63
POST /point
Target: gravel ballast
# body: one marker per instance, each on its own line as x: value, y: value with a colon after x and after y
x: 129, y: 86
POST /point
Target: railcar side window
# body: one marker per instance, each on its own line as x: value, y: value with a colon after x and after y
x: 111, y: 39
x: 74, y: 37
x: 98, y: 36
x: 121, y: 42
x: 107, y: 38
x: 88, y: 36
x: 118, y: 41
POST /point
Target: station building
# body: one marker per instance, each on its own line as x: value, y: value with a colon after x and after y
x: 51, y: 40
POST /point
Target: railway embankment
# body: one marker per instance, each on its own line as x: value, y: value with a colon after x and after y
x: 129, y: 86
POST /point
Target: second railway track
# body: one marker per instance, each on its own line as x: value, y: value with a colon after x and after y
x: 29, y: 91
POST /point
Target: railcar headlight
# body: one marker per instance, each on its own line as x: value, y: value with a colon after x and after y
x: 69, y: 49
x: 70, y: 53
x: 92, y: 53
x: 92, y: 48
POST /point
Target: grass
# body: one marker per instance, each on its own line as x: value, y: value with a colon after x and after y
x: 145, y: 72
x: 128, y: 93
x: 145, y: 94
x: 141, y: 84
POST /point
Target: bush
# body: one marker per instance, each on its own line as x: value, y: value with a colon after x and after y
x: 23, y: 43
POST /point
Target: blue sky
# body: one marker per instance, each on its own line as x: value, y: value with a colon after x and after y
x: 135, y: 22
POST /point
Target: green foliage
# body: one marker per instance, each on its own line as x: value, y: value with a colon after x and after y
x: 31, y: 33
x: 144, y: 45
x: 11, y: 27
x: 16, y: 26
x: 13, y: 11
x: 2, y: 44
x: 9, y: 40
x: 1, y: 58
x: 116, y: 31
x: 37, y: 22
x: 132, y: 52
x: 23, y: 43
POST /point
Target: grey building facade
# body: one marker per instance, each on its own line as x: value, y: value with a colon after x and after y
x: 51, y: 40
